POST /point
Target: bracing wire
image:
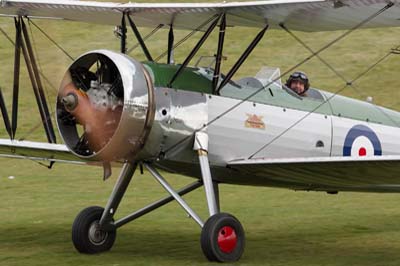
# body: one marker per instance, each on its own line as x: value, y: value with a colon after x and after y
x: 42, y: 75
x: 337, y: 73
x: 7, y: 36
x: 37, y: 126
x: 145, y: 38
x: 184, y: 39
x: 40, y: 72
x: 361, y: 74
x: 51, y: 40
x: 340, y: 37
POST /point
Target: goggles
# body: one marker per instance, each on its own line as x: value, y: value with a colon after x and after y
x: 300, y: 75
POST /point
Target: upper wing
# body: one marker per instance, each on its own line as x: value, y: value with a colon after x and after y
x: 37, y: 151
x: 376, y: 173
x: 305, y: 15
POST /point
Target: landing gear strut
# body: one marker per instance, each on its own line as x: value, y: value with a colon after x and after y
x: 222, y: 235
x: 94, y: 230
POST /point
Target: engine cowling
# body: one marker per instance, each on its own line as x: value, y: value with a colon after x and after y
x: 105, y: 106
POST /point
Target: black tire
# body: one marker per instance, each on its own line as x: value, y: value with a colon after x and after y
x: 86, y: 237
x: 230, y: 246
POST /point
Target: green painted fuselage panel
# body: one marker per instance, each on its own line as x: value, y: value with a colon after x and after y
x: 190, y: 79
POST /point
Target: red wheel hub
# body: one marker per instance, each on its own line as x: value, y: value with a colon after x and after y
x: 227, y: 239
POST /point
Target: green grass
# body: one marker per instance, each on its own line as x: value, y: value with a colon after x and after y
x: 283, y: 227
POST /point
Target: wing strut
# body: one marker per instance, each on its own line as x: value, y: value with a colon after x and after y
x: 140, y: 39
x: 242, y: 58
x: 123, y: 34
x: 22, y: 42
x: 219, y: 52
x: 4, y: 113
x: 170, y: 59
x: 27, y: 51
x: 184, y: 39
x: 195, y: 49
x: 17, y: 63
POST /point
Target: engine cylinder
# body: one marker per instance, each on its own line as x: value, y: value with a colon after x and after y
x: 105, y: 106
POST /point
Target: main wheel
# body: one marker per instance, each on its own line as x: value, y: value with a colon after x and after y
x: 222, y: 238
x: 87, y: 235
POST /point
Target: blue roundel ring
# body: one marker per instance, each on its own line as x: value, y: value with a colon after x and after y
x: 357, y: 131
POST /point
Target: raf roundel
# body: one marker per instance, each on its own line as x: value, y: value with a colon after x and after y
x: 361, y: 141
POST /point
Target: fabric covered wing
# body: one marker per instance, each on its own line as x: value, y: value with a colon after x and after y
x: 380, y: 173
x: 311, y: 15
x: 37, y: 151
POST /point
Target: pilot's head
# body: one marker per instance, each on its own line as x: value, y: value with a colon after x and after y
x: 298, y: 82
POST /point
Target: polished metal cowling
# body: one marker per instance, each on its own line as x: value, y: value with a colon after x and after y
x: 105, y: 106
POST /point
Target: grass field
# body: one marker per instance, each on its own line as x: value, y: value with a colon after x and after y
x: 283, y: 227
x: 38, y: 206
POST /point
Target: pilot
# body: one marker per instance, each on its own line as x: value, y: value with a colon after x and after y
x: 298, y: 82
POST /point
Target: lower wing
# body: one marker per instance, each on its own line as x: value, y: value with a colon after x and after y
x: 37, y: 151
x: 375, y: 173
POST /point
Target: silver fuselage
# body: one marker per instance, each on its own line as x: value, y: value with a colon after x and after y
x: 276, y: 132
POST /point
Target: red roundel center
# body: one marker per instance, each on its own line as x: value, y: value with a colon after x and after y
x: 362, y: 151
x: 227, y: 239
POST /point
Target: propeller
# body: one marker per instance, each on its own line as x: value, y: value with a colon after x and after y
x: 88, y: 98
x: 106, y: 107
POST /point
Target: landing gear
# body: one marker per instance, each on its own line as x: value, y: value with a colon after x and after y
x: 94, y: 230
x: 222, y: 235
x: 87, y: 235
x: 222, y: 238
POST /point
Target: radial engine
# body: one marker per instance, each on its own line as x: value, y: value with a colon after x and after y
x: 105, y: 106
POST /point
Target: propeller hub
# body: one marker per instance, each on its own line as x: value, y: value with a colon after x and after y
x: 70, y: 101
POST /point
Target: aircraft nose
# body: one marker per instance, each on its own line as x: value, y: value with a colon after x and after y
x: 104, y: 114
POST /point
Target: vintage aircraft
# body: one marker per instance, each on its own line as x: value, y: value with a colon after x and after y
x: 198, y: 122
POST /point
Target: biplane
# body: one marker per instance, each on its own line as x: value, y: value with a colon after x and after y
x: 199, y: 122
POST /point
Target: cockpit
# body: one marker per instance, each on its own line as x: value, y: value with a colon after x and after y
x: 265, y: 87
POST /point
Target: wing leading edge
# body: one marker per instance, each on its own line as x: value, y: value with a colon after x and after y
x: 304, y: 15
x: 377, y: 173
x: 37, y: 151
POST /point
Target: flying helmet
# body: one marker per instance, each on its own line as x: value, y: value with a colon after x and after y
x: 300, y: 76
